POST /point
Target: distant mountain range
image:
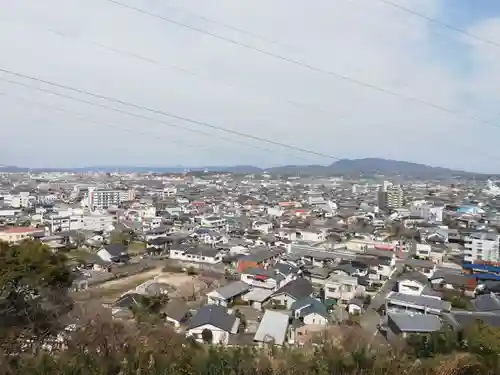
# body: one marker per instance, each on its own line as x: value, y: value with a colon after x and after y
x: 344, y: 167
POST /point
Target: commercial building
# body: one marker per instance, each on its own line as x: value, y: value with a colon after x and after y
x: 482, y: 247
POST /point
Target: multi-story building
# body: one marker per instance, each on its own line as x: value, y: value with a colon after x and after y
x: 427, y: 211
x: 66, y: 221
x: 482, y: 247
x: 391, y: 197
x: 105, y: 198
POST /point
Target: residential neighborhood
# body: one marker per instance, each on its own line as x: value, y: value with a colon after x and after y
x: 259, y: 260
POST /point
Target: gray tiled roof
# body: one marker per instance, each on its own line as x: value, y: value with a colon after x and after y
x: 298, y: 288
x: 421, y: 301
x: 214, y: 315
x: 415, y: 322
x: 233, y: 289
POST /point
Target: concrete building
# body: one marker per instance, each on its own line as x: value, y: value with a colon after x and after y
x: 105, y: 198
x: 427, y: 211
x: 482, y: 247
x: 391, y: 198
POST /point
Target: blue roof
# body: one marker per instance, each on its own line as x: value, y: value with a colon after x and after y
x: 481, y: 267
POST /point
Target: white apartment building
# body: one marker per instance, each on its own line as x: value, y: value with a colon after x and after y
x: 482, y: 247
x: 67, y: 220
x: 105, y: 198
x: 20, y: 200
x: 426, y: 211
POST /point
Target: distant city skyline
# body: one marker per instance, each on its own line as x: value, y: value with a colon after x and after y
x: 174, y: 69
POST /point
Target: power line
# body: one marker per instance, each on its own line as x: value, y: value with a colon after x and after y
x: 440, y: 23
x: 86, y: 119
x: 177, y: 68
x: 229, y: 27
x: 82, y: 117
x: 305, y: 65
x: 158, y: 112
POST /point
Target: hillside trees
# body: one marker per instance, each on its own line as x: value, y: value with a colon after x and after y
x: 34, y: 286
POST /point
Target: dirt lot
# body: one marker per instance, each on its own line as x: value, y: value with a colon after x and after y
x: 189, y: 287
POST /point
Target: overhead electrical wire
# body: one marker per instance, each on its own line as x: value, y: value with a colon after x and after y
x: 228, y: 27
x: 159, y: 112
x: 87, y: 119
x: 440, y: 23
x: 117, y: 110
x: 82, y: 117
x: 340, y: 76
x: 99, y: 105
x: 182, y: 70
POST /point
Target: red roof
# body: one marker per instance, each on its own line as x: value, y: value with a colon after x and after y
x: 21, y: 230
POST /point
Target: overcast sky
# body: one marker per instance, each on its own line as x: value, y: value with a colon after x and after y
x: 206, y: 79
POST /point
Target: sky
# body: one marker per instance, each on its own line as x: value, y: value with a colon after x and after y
x: 106, y: 49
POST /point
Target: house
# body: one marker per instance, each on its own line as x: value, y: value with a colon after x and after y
x: 256, y: 297
x: 209, y: 236
x: 272, y: 328
x: 291, y: 292
x: 197, y: 254
x: 176, y: 312
x: 215, y: 319
x: 428, y: 252
x: 317, y: 275
x: 262, y: 258
x: 126, y: 302
x: 399, y: 302
x: 442, y: 280
x: 225, y: 295
x: 355, y: 306
x: 402, y: 324
x: 412, y: 283
x: 18, y: 234
x: 427, y: 267
x: 114, y: 253
x: 309, y: 310
x: 342, y: 288
x: 262, y: 278
x: 213, y: 222
x: 263, y: 226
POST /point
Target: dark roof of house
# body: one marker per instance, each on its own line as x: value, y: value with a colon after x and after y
x: 115, y: 249
x: 214, y: 315
x: 418, y: 263
x: 453, y: 278
x: 309, y: 305
x: 298, y: 288
x: 233, y: 289
x: 415, y: 322
x: 128, y: 300
x: 176, y: 310
x: 487, y: 302
x: 461, y: 319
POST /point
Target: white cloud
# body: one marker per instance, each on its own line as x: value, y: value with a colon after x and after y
x: 363, y: 39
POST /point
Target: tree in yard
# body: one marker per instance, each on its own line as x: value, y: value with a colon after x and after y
x: 79, y: 239
x: 207, y: 336
x: 243, y: 320
x: 149, y: 308
x: 120, y: 237
x: 34, y: 292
